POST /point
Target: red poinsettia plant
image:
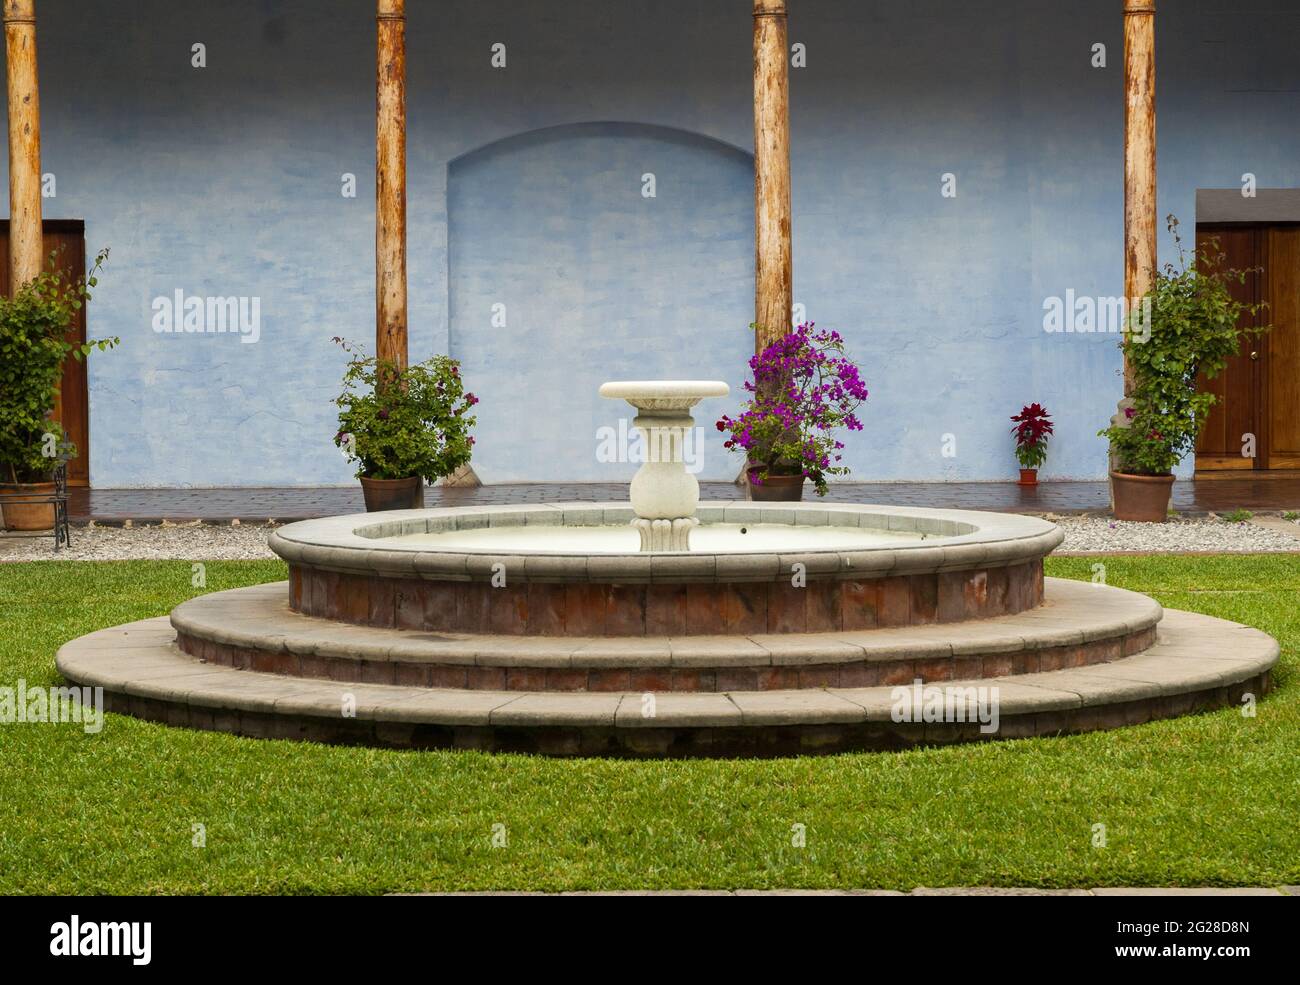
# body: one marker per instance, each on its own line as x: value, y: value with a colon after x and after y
x: 1033, y: 428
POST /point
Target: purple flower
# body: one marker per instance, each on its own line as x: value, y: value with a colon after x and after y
x: 803, y: 388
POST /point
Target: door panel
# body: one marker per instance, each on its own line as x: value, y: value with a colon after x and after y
x: 1282, y: 347
x: 69, y: 239
x: 1234, y: 415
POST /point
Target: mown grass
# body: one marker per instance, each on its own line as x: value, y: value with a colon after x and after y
x: 1206, y: 800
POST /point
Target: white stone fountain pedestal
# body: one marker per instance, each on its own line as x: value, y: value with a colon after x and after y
x: 664, y: 495
x: 665, y: 535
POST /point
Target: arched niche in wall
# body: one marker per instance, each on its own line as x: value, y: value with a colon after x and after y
x: 593, y: 252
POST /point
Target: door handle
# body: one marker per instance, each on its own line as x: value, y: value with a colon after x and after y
x: 1254, y: 355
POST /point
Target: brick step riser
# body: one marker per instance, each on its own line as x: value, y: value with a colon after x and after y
x: 590, y: 608
x: 487, y: 677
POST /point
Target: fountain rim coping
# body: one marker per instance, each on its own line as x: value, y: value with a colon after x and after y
x: 632, y: 390
x: 993, y: 540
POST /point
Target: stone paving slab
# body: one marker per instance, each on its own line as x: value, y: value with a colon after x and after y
x: 994, y: 891
x: 919, y: 891
x: 1090, y: 690
x: 1277, y: 524
x: 806, y: 707
x: 684, y: 709
x: 572, y: 710
x: 1019, y: 696
x: 1180, y: 891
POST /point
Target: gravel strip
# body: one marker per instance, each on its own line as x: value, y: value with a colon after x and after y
x: 187, y: 542
x: 210, y: 542
x: 1102, y: 535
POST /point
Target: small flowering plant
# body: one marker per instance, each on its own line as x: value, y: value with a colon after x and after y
x: 397, y: 423
x: 1033, y: 428
x: 804, y: 389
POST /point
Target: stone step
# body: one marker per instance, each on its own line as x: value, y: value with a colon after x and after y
x: 1198, y: 663
x: 254, y: 629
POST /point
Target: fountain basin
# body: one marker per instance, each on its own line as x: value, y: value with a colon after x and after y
x: 709, y: 538
x: 663, y: 397
x: 574, y: 568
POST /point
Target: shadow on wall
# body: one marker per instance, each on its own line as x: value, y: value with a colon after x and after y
x: 593, y: 252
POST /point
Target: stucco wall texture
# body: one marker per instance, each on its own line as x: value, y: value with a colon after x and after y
x: 526, y: 188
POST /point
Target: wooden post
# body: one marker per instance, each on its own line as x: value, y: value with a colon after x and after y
x: 1139, y: 154
x: 25, y: 249
x: 772, y: 254
x: 390, y: 182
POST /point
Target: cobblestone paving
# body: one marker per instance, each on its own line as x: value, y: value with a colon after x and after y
x: 285, y: 504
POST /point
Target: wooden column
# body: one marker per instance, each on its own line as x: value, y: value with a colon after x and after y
x: 25, y: 249
x: 390, y: 182
x: 1139, y: 153
x: 772, y: 254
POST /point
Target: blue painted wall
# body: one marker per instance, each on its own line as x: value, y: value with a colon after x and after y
x: 226, y: 181
x: 618, y: 252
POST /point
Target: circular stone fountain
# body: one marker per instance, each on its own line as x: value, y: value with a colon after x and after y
x: 768, y: 629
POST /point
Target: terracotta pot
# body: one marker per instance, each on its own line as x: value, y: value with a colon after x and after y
x: 27, y: 516
x: 776, y: 488
x: 1028, y: 477
x: 1144, y: 498
x: 393, y: 494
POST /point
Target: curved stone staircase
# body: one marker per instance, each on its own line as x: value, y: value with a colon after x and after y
x: 1090, y: 657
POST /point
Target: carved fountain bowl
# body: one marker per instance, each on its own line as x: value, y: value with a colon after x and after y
x: 663, y: 395
x: 574, y: 569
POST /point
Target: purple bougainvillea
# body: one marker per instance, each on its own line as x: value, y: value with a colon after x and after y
x: 803, y: 389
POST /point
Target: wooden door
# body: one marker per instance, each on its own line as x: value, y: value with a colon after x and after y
x: 68, y: 237
x: 1232, y: 429
x: 1280, y: 349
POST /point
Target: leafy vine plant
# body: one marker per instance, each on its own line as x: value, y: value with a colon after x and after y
x: 33, y: 347
x: 1194, y: 330
x: 804, y: 388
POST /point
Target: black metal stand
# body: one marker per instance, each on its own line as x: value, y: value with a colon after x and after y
x: 58, y: 499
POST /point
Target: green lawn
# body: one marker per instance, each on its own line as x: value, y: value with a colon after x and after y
x: 1207, y: 800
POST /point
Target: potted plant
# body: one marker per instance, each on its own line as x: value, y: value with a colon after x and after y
x: 403, y: 426
x: 1033, y: 428
x: 33, y: 346
x: 1192, y: 330
x: 803, y: 389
